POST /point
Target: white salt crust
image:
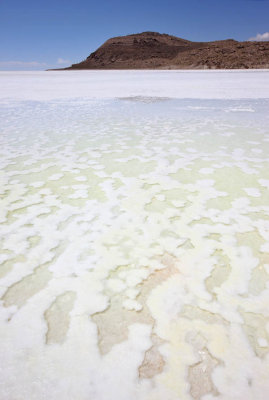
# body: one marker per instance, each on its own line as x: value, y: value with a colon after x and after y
x: 218, y: 84
x: 134, y: 240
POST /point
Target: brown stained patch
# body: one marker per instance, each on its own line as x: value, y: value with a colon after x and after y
x: 191, y: 313
x: 171, y: 196
x: 58, y: 318
x: 34, y: 240
x: 220, y: 272
x: 258, y: 281
x: 202, y: 221
x: 157, y: 206
x: 221, y: 203
x: 259, y: 276
x: 21, y: 291
x: 63, y: 224
x: 21, y: 209
x: 7, y: 265
x: 153, y: 362
x: 27, y: 287
x: 254, y: 215
x: 147, y: 186
x: 200, y: 373
x: 113, y: 323
x: 117, y: 183
x: 187, y: 245
x: 214, y: 236
x: 133, y: 168
x: 187, y: 175
x: 50, y: 210
x: 234, y: 186
x: 168, y: 233
x: 252, y: 239
x: 255, y: 328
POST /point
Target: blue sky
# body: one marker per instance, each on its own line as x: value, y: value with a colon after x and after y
x: 40, y: 34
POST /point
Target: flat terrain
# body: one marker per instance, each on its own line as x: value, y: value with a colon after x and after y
x: 221, y: 84
x: 134, y: 232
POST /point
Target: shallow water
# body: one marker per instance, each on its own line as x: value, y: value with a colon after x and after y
x: 134, y: 248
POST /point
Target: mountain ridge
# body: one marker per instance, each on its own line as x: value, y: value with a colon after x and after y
x: 153, y: 50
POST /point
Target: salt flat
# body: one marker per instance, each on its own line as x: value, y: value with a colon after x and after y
x: 207, y: 84
x: 134, y: 235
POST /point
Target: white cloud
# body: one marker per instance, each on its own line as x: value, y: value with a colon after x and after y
x: 24, y: 65
x: 260, y: 37
x: 62, y: 61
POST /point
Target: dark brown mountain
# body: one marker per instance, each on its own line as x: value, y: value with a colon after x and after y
x: 151, y: 50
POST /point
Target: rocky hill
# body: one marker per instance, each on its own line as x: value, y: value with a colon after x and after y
x: 152, y: 50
